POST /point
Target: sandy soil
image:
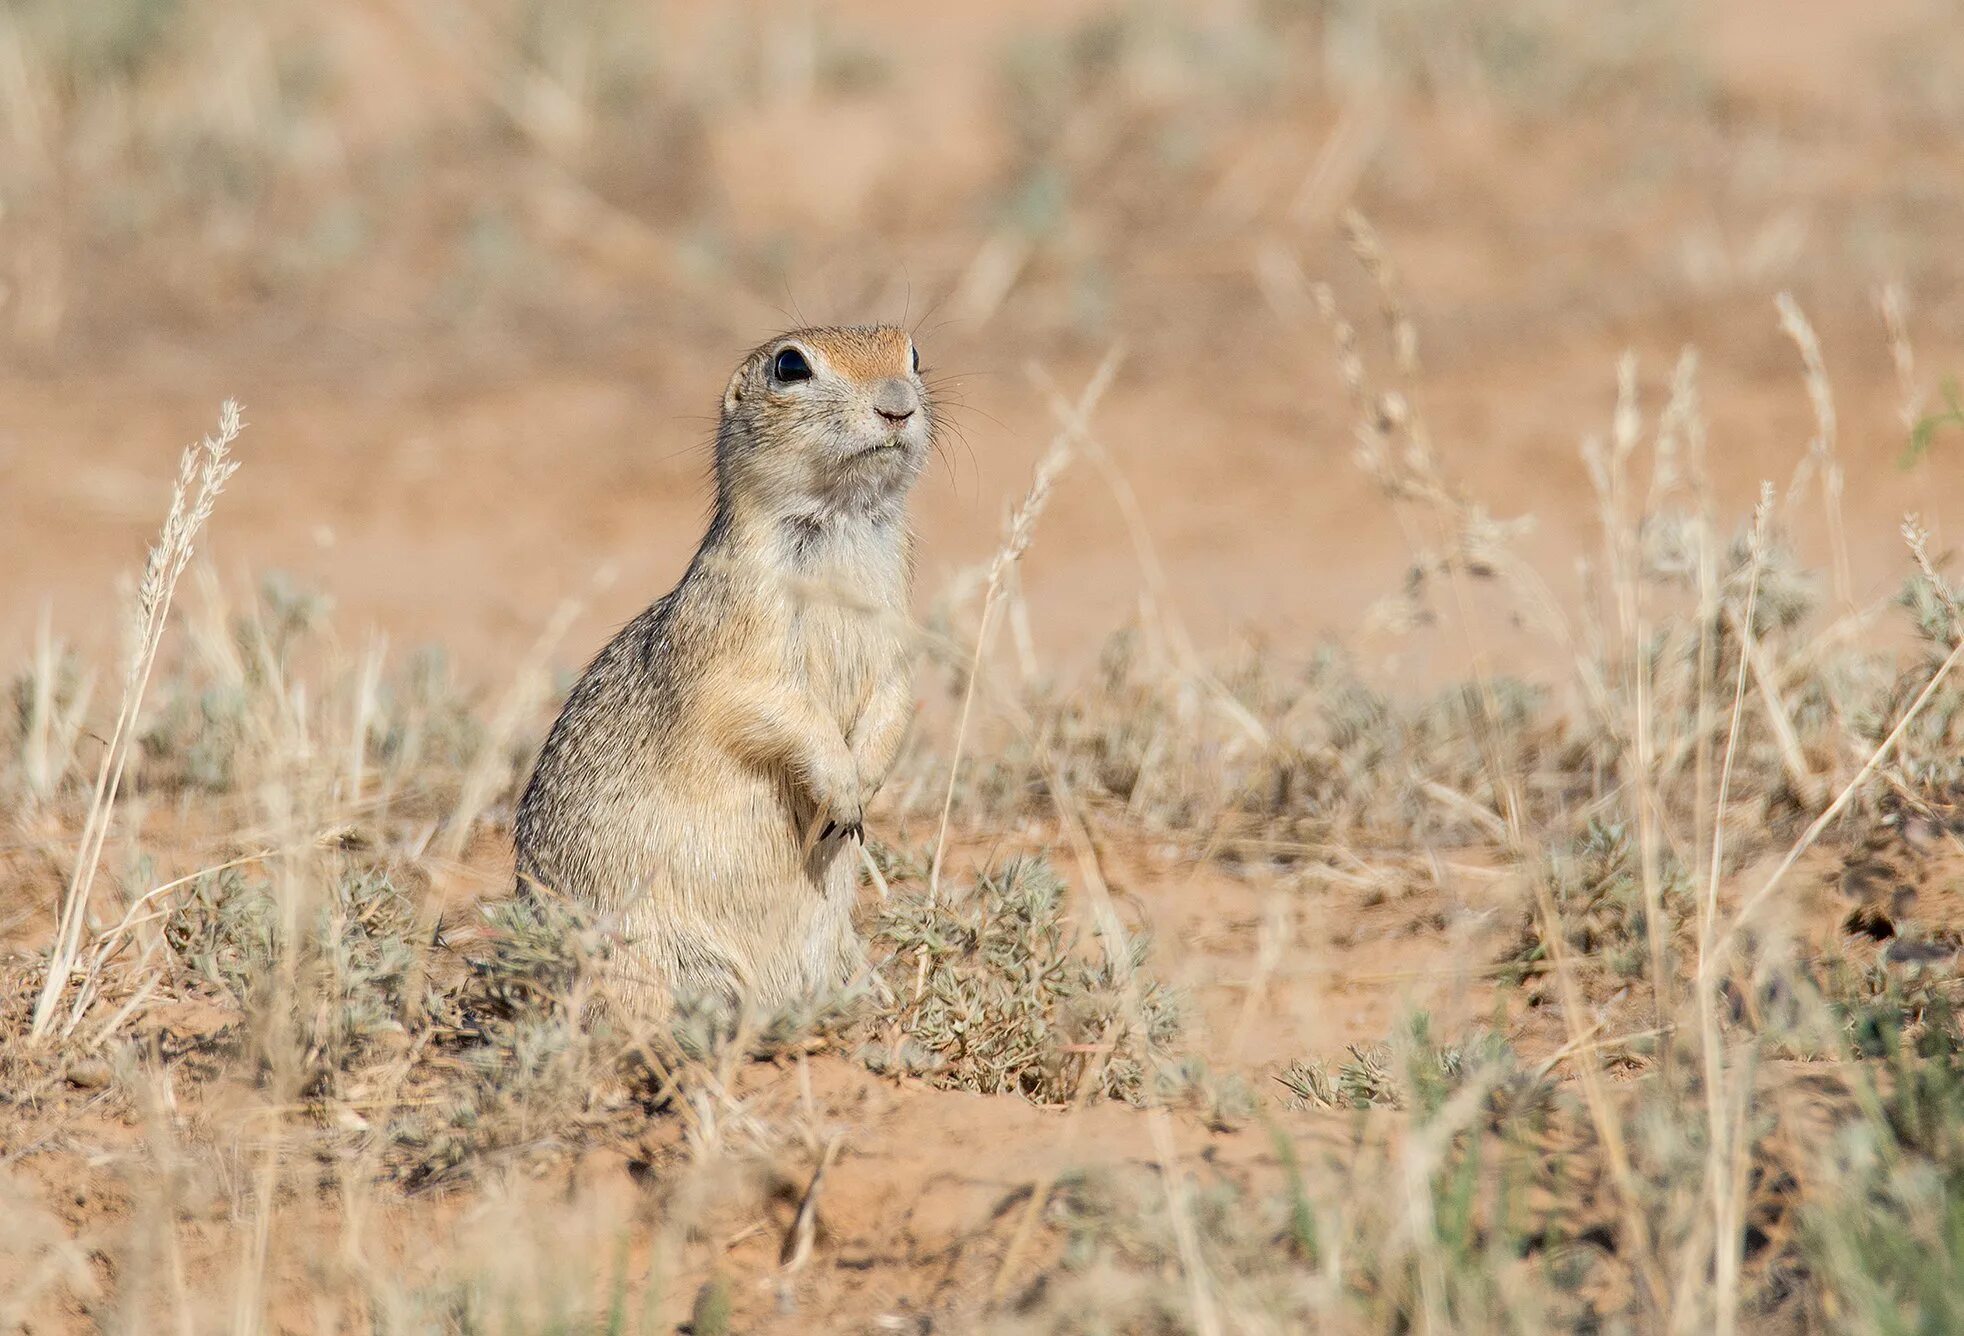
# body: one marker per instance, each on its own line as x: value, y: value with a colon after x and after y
x: 451, y: 486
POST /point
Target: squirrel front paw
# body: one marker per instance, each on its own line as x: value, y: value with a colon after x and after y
x: 844, y: 814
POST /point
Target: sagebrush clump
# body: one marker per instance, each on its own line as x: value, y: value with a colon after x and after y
x: 994, y: 991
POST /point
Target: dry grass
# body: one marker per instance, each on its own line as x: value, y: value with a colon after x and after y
x: 212, y: 152
x: 284, y: 1052
x: 323, y: 964
x: 206, y: 468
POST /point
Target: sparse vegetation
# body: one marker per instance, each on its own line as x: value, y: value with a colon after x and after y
x: 424, y: 1046
x: 993, y: 992
x: 1570, y: 941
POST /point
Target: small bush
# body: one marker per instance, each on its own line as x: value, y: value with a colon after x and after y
x: 344, y: 979
x: 994, y: 993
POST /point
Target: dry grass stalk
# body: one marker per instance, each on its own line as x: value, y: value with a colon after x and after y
x: 1040, y: 1190
x: 1678, y: 458
x: 1395, y: 450
x: 1112, y: 933
x: 366, y: 686
x: 1370, y: 252
x: 1272, y: 941
x: 1200, y: 1288
x: 796, y: 1249
x: 146, y: 909
x: 1156, y: 606
x: 531, y: 686
x: 1786, y: 737
x: 202, y: 474
x: 1894, y: 306
x: 985, y: 284
x: 1602, y: 1114
x: 249, y: 1304
x: 1821, y: 451
x: 53, y: 728
x: 1413, y: 474
x: 156, y: 1104
x: 1622, y: 542
x: 1820, y: 823
x: 1917, y: 538
x: 1719, y: 1148
x: 1340, y: 163
x: 1016, y: 541
x: 1709, y: 601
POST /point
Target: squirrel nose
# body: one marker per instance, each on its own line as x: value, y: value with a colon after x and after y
x: 895, y: 401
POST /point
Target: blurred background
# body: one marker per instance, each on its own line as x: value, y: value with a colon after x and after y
x: 478, y: 270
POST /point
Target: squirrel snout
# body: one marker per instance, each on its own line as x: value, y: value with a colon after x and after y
x: 895, y: 400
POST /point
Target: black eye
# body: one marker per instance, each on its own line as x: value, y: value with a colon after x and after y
x: 917, y: 359
x: 790, y: 365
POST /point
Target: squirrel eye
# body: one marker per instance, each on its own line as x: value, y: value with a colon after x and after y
x: 917, y: 358
x: 790, y: 365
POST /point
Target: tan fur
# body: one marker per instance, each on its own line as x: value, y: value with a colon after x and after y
x: 684, y: 784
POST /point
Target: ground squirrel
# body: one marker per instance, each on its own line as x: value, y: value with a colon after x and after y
x: 705, y: 783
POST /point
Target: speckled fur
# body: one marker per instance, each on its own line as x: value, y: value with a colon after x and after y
x: 702, y: 749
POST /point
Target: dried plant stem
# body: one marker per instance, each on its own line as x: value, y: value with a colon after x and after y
x: 1847, y: 794
x: 51, y: 730
x: 1156, y: 602
x: 1719, y: 1148
x: 1415, y: 477
x: 1595, y: 1097
x: 1022, y: 528
x: 248, y: 1315
x: 796, y: 1249
x: 1785, y: 736
x: 1622, y: 546
x: 1118, y: 953
x: 1690, y: 423
x: 1821, y: 451
x: 1272, y: 940
x: 1894, y: 306
x: 108, y: 944
x: 202, y: 474
x: 986, y: 282
x: 1412, y: 477
x: 1649, y: 852
x: 529, y: 689
x: 366, y: 687
x: 1917, y: 538
x: 1200, y: 1291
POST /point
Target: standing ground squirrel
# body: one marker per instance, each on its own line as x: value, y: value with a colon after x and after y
x: 707, y: 777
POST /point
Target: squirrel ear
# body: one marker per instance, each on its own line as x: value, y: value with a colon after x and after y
x: 733, y: 393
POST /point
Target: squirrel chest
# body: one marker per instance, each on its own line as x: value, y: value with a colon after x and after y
x: 845, y: 605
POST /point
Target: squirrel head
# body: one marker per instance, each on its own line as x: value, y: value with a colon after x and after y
x: 825, y: 420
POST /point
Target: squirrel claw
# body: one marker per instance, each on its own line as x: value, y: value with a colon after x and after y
x: 852, y: 830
